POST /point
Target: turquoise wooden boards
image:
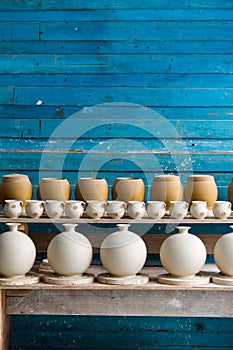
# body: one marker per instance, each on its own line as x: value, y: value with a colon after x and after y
x: 130, y: 332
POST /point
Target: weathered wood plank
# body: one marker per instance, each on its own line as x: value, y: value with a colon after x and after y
x: 81, y: 15
x: 64, y: 112
x: 105, y: 4
x: 115, y: 47
x: 4, y: 322
x: 178, y: 303
x: 6, y: 95
x: 101, y: 64
x: 119, y: 80
x: 15, y: 31
x: 130, y: 30
x: 188, y: 97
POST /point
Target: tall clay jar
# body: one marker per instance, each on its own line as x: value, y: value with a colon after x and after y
x: 128, y: 189
x: 89, y: 188
x: 53, y: 189
x: 166, y: 188
x: 201, y: 188
x: 230, y: 191
x: 15, y: 186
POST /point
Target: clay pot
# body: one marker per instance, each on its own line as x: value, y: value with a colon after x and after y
x: 95, y: 209
x: 183, y: 254
x: 34, y: 208
x: 136, y: 209
x: 16, y: 186
x: 123, y: 253
x: 17, y: 252
x: 88, y: 188
x: 74, y: 209
x: 222, y: 209
x: 230, y: 191
x: 201, y: 188
x: 223, y: 256
x: 155, y: 209
x: 53, y: 188
x: 116, y: 209
x: 128, y: 189
x: 166, y: 188
x: 69, y: 253
x: 199, y: 209
x: 54, y: 209
x: 13, y: 208
x: 178, y: 210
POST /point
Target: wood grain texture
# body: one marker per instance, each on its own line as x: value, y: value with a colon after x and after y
x: 5, y: 325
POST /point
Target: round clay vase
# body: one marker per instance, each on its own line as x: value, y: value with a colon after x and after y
x: 128, y: 189
x: 230, y: 191
x: 17, y: 252
x: 123, y: 253
x: 223, y: 254
x: 16, y: 186
x: 183, y: 254
x: 166, y: 188
x: 69, y: 253
x: 88, y: 188
x: 201, y: 188
x: 53, y: 189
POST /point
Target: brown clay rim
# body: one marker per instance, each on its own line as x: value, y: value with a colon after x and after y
x: 200, y: 178
x: 129, y: 178
x: 53, y: 179
x: 167, y: 178
x: 92, y: 178
x: 14, y: 177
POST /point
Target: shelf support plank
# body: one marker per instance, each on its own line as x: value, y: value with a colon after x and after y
x: 5, y: 322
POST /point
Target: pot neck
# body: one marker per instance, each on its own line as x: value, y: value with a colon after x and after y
x: 183, y: 229
x: 12, y: 226
x: 70, y: 227
x: 123, y: 227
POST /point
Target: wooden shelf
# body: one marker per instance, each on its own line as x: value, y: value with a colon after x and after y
x: 125, y: 220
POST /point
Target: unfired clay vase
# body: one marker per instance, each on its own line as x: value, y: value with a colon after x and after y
x: 230, y: 191
x: 199, y: 209
x: 53, y: 188
x: 13, y: 208
x: 123, y: 253
x: 178, y: 209
x: 222, y: 209
x: 116, y: 209
x: 95, y: 209
x: 201, y: 188
x: 54, y: 208
x: 155, y: 209
x: 17, y: 252
x: 223, y: 254
x: 136, y: 209
x: 88, y: 188
x: 34, y: 208
x: 128, y: 189
x: 166, y: 188
x: 74, y: 209
x: 70, y: 252
x: 15, y: 186
x: 183, y: 254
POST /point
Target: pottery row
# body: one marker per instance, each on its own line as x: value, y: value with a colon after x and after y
x: 75, y: 209
x: 164, y: 188
x: 123, y: 254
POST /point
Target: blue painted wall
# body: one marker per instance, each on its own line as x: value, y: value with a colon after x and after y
x: 176, y: 58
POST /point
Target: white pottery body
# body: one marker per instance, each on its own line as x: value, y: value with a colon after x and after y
x: 178, y: 209
x: 74, y: 209
x: 34, y: 208
x: 183, y: 254
x: 17, y: 252
x: 116, y: 209
x: 222, y: 209
x: 199, y: 209
x: 69, y: 253
x: 54, y: 208
x: 136, y: 210
x: 95, y: 209
x: 123, y: 253
x: 13, y: 208
x: 223, y: 253
x: 155, y: 209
